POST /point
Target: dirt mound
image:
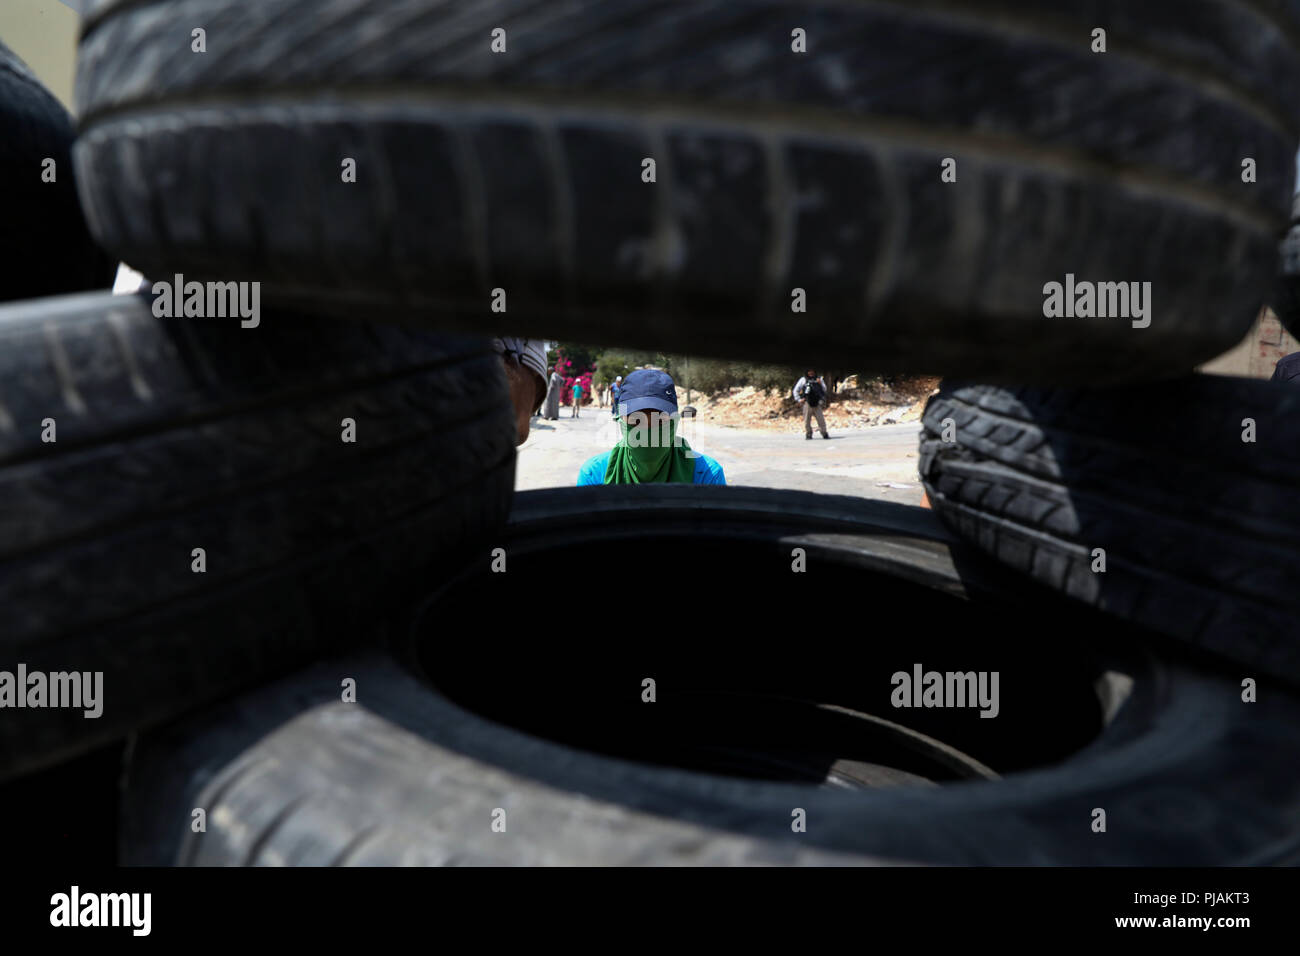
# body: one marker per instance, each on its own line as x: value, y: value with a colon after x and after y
x: 852, y: 406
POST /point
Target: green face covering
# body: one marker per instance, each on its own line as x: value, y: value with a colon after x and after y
x: 649, y: 457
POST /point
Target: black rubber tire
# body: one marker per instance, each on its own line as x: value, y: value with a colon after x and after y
x: 1186, y: 772
x: 45, y: 247
x: 776, y: 170
x: 179, y: 434
x: 1201, y: 529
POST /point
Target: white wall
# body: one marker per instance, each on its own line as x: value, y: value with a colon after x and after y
x: 44, y: 34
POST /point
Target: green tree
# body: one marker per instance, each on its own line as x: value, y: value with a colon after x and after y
x: 615, y: 362
x: 715, y: 376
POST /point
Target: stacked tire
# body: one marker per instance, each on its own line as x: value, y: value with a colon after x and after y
x: 1170, y: 505
x: 907, y: 181
x: 192, y: 507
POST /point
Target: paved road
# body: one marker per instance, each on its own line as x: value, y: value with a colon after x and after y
x: 877, y: 462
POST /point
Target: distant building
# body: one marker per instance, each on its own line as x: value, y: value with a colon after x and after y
x: 1258, y: 352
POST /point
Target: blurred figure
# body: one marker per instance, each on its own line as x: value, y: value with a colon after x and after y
x: 577, y: 397
x: 614, y: 391
x: 553, y: 396
x: 650, y: 449
x: 1284, y: 298
x: 1287, y: 369
x: 525, y: 365
x: 811, y: 391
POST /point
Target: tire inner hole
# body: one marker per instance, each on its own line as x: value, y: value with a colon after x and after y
x: 759, y: 672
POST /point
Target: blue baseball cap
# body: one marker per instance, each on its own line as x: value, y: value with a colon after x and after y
x: 647, y: 388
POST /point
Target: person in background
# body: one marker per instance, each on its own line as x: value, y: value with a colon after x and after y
x: 525, y: 366
x: 811, y: 391
x: 577, y: 397
x: 1287, y: 369
x: 1285, y: 297
x: 650, y: 450
x: 553, y: 396
x: 614, y: 391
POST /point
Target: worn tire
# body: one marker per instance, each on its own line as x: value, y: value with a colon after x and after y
x: 291, y: 775
x: 45, y: 247
x: 177, y: 434
x: 776, y: 171
x: 1201, y: 529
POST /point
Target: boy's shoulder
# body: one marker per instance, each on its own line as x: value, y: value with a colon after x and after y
x: 708, y: 471
x: 592, y: 471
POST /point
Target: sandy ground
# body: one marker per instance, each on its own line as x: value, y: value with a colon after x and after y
x: 853, y: 408
x: 873, y: 462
